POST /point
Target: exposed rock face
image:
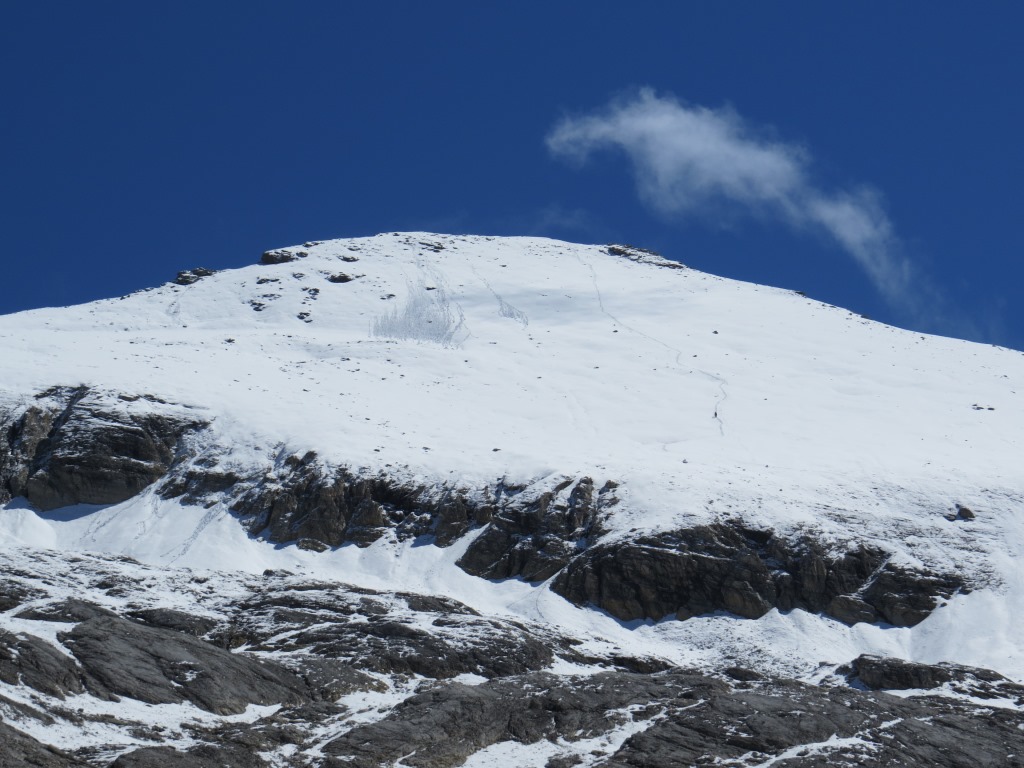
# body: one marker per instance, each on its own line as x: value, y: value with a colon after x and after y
x: 816, y: 728
x: 189, y: 276
x: 890, y: 674
x: 151, y: 663
x: 179, y: 621
x: 30, y: 661
x: 18, y: 750
x: 393, y: 657
x: 687, y: 719
x: 158, y: 666
x: 538, y: 537
x: 203, y: 756
x: 74, y: 448
x: 880, y: 673
x: 13, y: 594
x: 904, y: 597
x: 309, y: 504
x: 281, y: 256
x: 70, y: 611
x: 643, y: 256
x: 448, y: 639
x: 443, y: 726
x: 746, y: 572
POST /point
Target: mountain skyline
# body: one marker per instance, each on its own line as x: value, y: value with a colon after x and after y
x: 140, y: 141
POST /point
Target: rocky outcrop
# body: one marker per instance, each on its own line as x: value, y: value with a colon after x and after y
x: 682, y: 719
x: 440, y: 639
x: 559, y: 532
x: 444, y: 725
x: 643, y: 256
x: 371, y: 678
x: 31, y: 661
x: 202, y: 756
x: 904, y: 597
x: 18, y: 750
x: 805, y: 726
x: 13, y: 594
x: 179, y: 621
x: 883, y: 673
x: 159, y: 666
x: 726, y: 567
x: 163, y: 661
x: 535, y: 537
x: 74, y: 446
x: 303, y: 501
x: 282, y: 256
x: 71, y: 610
x: 77, y: 446
x: 194, y: 275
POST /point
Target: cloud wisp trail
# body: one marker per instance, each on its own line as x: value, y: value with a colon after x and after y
x: 698, y: 162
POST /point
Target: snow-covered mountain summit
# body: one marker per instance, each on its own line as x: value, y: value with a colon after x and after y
x: 521, y: 357
x: 606, y: 437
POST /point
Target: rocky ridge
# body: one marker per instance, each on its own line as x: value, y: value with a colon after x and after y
x: 79, y: 446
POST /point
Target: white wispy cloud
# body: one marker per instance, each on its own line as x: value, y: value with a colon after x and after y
x: 694, y: 161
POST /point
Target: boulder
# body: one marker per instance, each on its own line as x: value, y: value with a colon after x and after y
x: 281, y: 256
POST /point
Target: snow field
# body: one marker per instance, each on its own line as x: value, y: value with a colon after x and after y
x: 465, y: 360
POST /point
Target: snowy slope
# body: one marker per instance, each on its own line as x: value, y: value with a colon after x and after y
x: 465, y: 360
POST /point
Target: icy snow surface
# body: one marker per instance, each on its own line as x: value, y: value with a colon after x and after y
x: 464, y: 360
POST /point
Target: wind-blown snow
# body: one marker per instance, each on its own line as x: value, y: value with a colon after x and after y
x: 464, y: 360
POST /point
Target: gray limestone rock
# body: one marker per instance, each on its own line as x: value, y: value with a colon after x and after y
x: 538, y: 537
x: 368, y: 636
x: 686, y: 719
x: 202, y: 756
x: 194, y: 275
x: 29, y: 660
x: 179, y: 621
x: 80, y: 447
x: 333, y: 640
x: 790, y: 724
x: 726, y: 567
x: 75, y: 446
x: 904, y: 597
x: 160, y: 666
x: 13, y: 594
x: 891, y: 674
x: 19, y: 750
x: 70, y: 610
x: 306, y: 502
x: 281, y: 256
x: 444, y: 725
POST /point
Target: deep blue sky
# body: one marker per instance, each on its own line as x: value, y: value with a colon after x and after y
x: 143, y: 138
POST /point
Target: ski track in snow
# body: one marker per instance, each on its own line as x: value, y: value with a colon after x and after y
x: 504, y: 308
x: 679, y: 353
